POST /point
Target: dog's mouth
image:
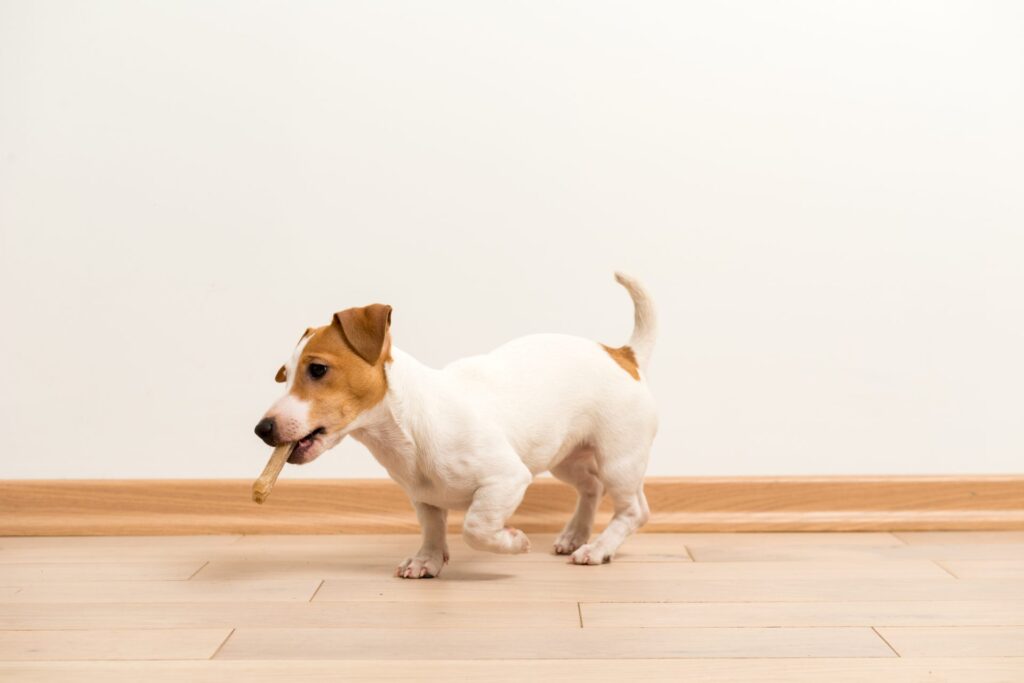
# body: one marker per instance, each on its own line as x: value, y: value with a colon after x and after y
x: 304, y: 447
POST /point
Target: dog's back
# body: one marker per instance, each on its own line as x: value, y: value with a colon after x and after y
x: 551, y: 394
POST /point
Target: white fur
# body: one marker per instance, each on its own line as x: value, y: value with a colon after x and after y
x: 645, y: 320
x: 290, y: 413
x: 293, y: 362
x: 473, y: 435
x: 292, y: 417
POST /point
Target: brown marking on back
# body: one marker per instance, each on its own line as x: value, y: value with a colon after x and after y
x: 626, y: 359
x: 351, y: 385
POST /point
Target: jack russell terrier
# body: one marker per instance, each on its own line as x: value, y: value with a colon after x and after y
x: 473, y: 435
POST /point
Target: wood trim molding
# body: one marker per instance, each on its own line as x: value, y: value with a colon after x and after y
x: 94, y: 507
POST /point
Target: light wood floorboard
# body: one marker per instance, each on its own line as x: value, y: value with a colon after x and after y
x: 976, y: 537
x: 559, y: 567
x: 69, y: 544
x: 985, y: 569
x: 644, y: 542
x: 111, y: 644
x: 842, y: 670
x: 555, y: 644
x: 159, y: 591
x: 394, y: 616
x: 499, y: 586
x: 395, y: 547
x: 721, y: 552
x: 769, y: 614
x: 353, y: 548
x: 774, y: 607
x: 970, y: 641
x: 16, y: 572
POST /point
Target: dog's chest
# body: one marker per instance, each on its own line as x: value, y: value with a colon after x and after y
x: 410, y: 470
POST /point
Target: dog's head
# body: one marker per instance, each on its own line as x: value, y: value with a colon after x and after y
x: 335, y: 374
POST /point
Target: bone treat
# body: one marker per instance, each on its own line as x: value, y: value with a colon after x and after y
x: 262, y: 486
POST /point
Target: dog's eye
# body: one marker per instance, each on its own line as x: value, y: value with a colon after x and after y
x: 317, y: 370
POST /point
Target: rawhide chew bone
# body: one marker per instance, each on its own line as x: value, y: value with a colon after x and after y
x: 262, y: 486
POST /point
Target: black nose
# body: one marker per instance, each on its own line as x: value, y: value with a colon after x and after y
x: 265, y: 430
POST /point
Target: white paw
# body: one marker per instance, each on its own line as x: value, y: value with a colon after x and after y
x: 569, y: 540
x: 421, y: 566
x: 590, y: 554
x: 514, y: 541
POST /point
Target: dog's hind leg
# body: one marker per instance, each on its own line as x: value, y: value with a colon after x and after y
x: 579, y: 470
x: 623, y: 481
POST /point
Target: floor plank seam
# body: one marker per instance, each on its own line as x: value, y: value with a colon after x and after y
x: 899, y: 537
x: 321, y: 585
x: 579, y: 611
x: 689, y: 553
x: 222, y: 644
x: 886, y: 642
x: 946, y: 569
x: 903, y: 541
x: 201, y: 567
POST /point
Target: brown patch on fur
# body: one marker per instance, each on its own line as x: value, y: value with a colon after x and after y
x: 352, y: 384
x: 626, y: 359
x: 365, y: 329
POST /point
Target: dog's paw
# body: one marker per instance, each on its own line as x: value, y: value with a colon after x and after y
x: 568, y: 541
x: 421, y: 566
x: 515, y: 541
x: 590, y: 554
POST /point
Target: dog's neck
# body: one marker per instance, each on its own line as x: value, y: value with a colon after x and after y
x: 408, y: 379
x: 389, y: 429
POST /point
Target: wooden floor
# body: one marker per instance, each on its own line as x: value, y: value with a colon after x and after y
x: 880, y: 607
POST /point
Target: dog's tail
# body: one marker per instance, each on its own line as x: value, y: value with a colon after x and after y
x: 645, y: 321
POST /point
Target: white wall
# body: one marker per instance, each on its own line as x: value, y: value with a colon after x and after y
x: 825, y: 197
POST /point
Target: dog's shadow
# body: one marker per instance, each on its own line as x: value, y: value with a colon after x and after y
x: 473, y: 572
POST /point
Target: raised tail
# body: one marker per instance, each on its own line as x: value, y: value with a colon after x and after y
x: 645, y: 320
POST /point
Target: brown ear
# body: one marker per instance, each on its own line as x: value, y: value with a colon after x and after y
x: 365, y: 329
x: 281, y: 375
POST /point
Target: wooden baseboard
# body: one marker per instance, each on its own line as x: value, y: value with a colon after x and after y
x: 89, y: 507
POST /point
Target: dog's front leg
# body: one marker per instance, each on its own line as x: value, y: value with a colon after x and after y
x: 493, y: 503
x: 433, y: 554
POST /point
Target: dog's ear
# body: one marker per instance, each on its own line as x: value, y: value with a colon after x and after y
x: 365, y: 329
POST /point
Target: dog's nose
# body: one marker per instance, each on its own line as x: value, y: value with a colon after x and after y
x: 265, y: 430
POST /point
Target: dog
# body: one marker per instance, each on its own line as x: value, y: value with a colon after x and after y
x: 473, y: 435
